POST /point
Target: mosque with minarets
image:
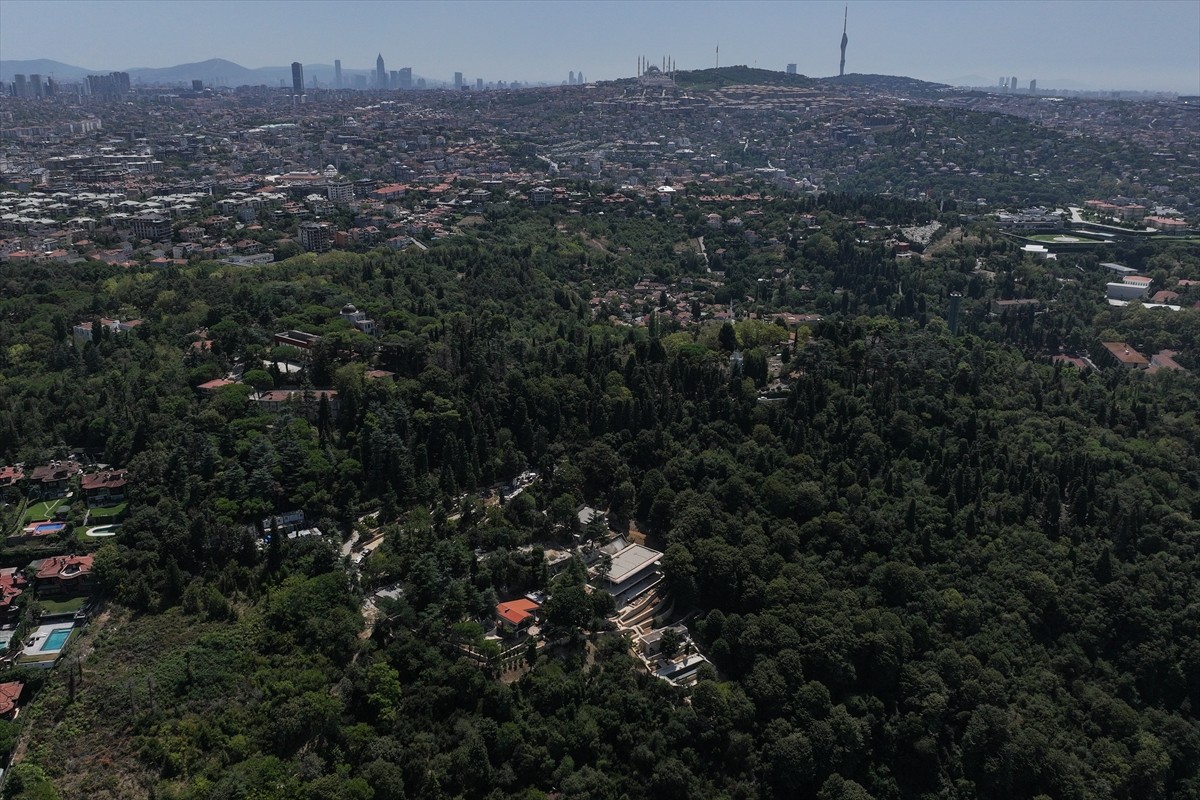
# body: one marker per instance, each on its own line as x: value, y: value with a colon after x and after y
x: 653, y: 76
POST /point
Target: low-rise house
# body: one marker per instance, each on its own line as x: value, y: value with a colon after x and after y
x: 10, y: 695
x: 287, y: 523
x: 632, y: 571
x: 211, y: 388
x: 650, y: 644
x: 12, y: 586
x: 517, y: 615
x: 53, y: 479
x: 1131, y: 287
x: 298, y: 339
x: 1126, y: 356
x: 358, y: 319
x: 1166, y: 223
x: 302, y: 401
x: 104, y: 488
x: 58, y: 576
x: 585, y: 515
x: 1164, y: 359
x: 11, y: 475
x: 1001, y: 306
x: 83, y: 331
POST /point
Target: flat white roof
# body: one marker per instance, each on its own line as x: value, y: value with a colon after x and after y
x: 630, y: 561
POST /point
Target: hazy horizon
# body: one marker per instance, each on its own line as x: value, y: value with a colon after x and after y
x: 1112, y: 44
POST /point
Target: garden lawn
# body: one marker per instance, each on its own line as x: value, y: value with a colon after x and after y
x: 106, y: 514
x: 71, y: 604
x: 44, y: 510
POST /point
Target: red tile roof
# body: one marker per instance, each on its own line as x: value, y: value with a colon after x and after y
x: 516, y: 611
x: 10, y: 693
x: 1126, y: 354
x: 63, y: 567
x: 112, y: 479
x: 12, y: 584
x: 54, y: 471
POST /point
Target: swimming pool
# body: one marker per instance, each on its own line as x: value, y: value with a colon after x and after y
x: 46, y: 527
x: 56, y: 639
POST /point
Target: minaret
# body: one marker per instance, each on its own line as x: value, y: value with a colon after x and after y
x: 845, y: 41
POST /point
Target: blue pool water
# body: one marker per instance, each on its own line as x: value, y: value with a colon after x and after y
x: 56, y: 639
x: 49, y: 527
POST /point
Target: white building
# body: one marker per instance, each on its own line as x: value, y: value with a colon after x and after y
x: 633, y: 571
x: 358, y: 319
x: 1131, y: 287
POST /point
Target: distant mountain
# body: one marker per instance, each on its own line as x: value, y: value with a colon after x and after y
x: 208, y: 71
x: 44, y: 67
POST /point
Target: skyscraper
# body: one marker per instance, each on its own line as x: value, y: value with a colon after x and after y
x: 381, y: 81
x: 571, y: 78
x: 845, y: 41
x: 791, y: 69
x: 1012, y: 86
x: 479, y: 84
x: 458, y: 80
x: 337, y: 73
x: 297, y: 78
x: 1033, y: 86
x: 405, y: 78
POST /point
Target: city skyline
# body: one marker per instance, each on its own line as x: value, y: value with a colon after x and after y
x: 1105, y: 45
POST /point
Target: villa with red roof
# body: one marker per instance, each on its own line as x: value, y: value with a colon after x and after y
x: 105, y: 488
x: 10, y: 475
x: 211, y: 388
x: 12, y: 586
x: 10, y: 693
x: 53, y: 479
x: 63, y: 575
x: 516, y: 615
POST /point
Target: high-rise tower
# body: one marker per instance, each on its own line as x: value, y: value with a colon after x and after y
x: 297, y: 78
x: 380, y: 73
x: 337, y: 73
x: 845, y: 41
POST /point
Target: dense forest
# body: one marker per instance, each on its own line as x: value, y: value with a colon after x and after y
x: 940, y: 566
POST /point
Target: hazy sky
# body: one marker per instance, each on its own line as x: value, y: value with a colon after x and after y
x: 1108, y: 44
